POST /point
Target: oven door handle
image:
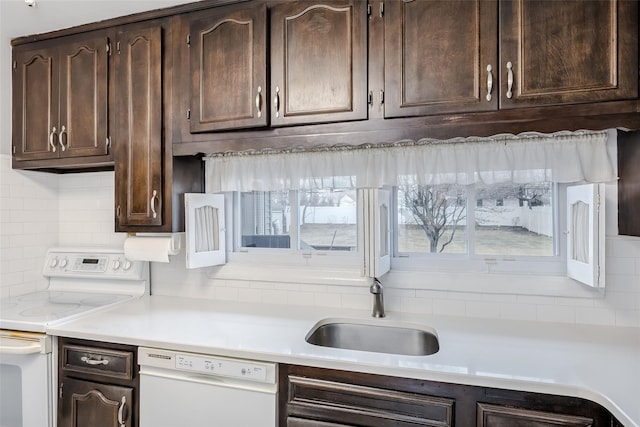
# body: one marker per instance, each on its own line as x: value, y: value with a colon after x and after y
x: 24, y: 343
x: 26, y: 348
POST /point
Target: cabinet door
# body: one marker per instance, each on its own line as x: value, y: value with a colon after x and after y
x: 35, y: 103
x: 84, y: 403
x: 555, y: 52
x: 83, y: 98
x: 318, y: 62
x: 440, y: 57
x: 629, y: 183
x: 138, y: 145
x: 507, y: 416
x: 228, y: 70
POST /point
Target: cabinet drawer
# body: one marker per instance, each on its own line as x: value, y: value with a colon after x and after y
x: 335, y: 402
x: 98, y: 361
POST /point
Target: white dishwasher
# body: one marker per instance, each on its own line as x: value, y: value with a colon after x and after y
x: 190, y: 389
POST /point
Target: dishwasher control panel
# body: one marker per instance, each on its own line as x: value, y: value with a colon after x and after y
x: 225, y: 367
x: 209, y: 365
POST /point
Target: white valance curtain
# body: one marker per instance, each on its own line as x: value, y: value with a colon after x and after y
x: 560, y: 157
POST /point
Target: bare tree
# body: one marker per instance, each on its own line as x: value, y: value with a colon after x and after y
x: 437, y: 210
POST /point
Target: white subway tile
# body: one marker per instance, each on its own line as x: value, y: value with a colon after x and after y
x: 449, y: 307
x: 327, y: 300
x: 628, y: 318
x: 518, y: 311
x: 596, y: 316
x: 300, y: 298
x: 274, y: 296
x: 621, y: 266
x: 417, y: 305
x: 556, y: 313
x: 482, y: 309
x: 354, y: 301
x: 249, y: 295
x: 226, y: 293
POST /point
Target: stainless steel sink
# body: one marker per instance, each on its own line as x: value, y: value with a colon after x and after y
x: 410, y: 340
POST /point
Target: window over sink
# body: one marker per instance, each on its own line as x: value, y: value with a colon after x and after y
x: 483, y: 205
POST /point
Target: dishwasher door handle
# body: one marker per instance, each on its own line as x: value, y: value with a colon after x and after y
x: 212, y: 380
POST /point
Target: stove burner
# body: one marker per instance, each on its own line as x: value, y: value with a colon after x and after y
x: 53, y: 310
x: 36, y: 296
x: 101, y: 299
x: 5, y: 305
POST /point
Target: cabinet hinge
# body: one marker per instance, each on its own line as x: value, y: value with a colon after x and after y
x: 381, y: 9
x: 189, y: 114
x: 189, y: 40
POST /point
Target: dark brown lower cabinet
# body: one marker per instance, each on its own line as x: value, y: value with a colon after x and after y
x: 97, y: 384
x: 506, y: 416
x: 316, y: 397
x: 85, y: 403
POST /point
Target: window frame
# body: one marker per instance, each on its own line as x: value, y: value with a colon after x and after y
x: 292, y: 256
x: 553, y: 265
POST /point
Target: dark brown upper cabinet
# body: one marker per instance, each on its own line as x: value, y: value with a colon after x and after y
x: 318, y: 62
x: 440, y: 57
x: 60, y: 101
x: 629, y: 183
x: 228, y: 69
x: 267, y: 65
x: 563, y: 52
x: 138, y: 128
x: 464, y: 56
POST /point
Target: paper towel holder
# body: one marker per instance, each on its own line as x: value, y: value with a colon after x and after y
x: 176, y: 240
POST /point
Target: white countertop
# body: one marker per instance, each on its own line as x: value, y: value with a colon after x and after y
x: 601, y: 364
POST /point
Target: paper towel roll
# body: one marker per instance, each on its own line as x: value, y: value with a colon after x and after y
x: 157, y: 248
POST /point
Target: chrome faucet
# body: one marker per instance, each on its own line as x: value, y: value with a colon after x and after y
x: 378, y: 301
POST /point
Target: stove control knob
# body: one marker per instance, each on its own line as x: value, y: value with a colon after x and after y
x: 54, y: 262
x: 64, y: 263
x: 127, y: 265
x: 116, y: 264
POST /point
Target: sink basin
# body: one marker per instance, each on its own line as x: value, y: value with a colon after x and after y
x: 409, y: 340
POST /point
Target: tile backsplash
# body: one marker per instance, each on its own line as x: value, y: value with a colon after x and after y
x: 40, y: 210
x: 29, y: 217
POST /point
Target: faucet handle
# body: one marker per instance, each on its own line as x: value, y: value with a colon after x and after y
x: 376, y: 286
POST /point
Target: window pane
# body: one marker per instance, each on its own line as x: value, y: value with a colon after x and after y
x: 265, y: 219
x: 432, y: 219
x: 514, y: 219
x: 328, y: 220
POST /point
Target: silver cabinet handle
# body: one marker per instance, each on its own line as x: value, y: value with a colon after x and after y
x: 152, y: 204
x: 276, y: 101
x: 509, y: 79
x: 489, y: 82
x: 51, y: 141
x: 94, y: 362
x: 259, y: 101
x: 62, y: 137
x: 123, y: 403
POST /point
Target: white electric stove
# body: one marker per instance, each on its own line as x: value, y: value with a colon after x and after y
x: 81, y: 281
